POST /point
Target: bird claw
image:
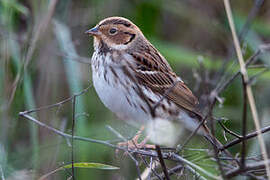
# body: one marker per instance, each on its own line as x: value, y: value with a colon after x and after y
x: 133, y: 144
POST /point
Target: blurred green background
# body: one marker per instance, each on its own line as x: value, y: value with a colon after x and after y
x: 43, y: 41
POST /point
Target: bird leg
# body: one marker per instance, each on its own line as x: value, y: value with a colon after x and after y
x: 134, y: 144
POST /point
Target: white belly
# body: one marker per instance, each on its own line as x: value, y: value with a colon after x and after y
x: 114, y: 96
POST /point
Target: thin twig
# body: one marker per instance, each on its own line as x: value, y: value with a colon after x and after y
x: 248, y: 167
x: 248, y: 136
x: 130, y: 155
x: 255, y: 76
x: 250, y: 61
x: 173, y: 170
x: 65, y: 135
x: 150, y: 168
x: 198, y: 168
x: 252, y: 14
x: 244, y: 126
x: 228, y: 130
x: 72, y: 135
x: 59, y: 103
x: 245, y: 28
x: 162, y: 163
x: 258, y: 66
x: 212, y: 125
x: 192, y: 134
x: 248, y: 87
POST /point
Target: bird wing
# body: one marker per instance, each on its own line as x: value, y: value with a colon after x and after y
x: 160, y: 78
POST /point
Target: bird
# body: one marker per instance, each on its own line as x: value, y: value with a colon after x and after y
x: 135, y: 82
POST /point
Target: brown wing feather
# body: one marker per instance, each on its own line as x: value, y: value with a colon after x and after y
x: 160, y: 77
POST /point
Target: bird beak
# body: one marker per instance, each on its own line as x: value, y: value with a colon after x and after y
x: 93, y: 32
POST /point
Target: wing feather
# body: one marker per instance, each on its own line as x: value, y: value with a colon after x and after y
x: 160, y: 79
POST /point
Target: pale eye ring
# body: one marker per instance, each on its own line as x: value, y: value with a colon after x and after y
x: 113, y: 31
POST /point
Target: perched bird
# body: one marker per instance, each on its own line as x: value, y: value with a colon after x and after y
x: 135, y: 81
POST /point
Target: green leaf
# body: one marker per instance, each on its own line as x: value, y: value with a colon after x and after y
x: 91, y: 165
x: 15, y: 6
x: 81, y: 165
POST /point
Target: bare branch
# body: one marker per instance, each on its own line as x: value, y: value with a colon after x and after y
x: 248, y: 136
x: 150, y: 168
x: 212, y: 126
x: 244, y: 125
x: 57, y: 104
x: 192, y: 134
x: 228, y: 130
x: 248, y: 167
x: 72, y: 135
x: 162, y: 163
x: 56, y: 131
x: 180, y: 159
x: 173, y: 170
x: 130, y: 155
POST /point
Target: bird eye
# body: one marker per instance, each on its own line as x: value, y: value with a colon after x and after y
x: 113, y: 31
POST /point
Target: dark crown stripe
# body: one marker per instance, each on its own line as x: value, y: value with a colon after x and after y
x: 116, y: 21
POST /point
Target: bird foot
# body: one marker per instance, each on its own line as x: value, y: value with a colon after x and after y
x: 133, y: 144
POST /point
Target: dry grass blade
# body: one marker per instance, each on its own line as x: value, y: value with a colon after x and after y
x: 41, y: 27
x: 248, y: 87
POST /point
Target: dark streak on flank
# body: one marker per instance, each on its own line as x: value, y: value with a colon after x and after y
x: 150, y: 100
x: 105, y: 75
x: 170, y: 112
x: 114, y: 73
x: 163, y: 107
x: 144, y: 110
x: 129, y: 101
